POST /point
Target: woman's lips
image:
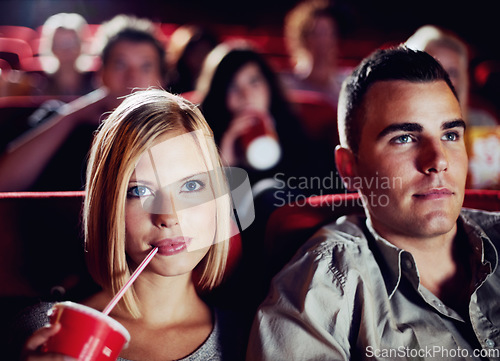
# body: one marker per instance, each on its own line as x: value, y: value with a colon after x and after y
x: 172, y: 246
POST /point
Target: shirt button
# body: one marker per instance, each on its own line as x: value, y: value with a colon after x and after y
x: 489, y: 343
x: 408, y: 264
x: 439, y: 304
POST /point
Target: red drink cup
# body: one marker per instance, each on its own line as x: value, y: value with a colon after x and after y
x: 86, y: 334
x: 261, y: 147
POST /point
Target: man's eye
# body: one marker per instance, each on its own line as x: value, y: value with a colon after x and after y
x: 402, y: 139
x: 139, y: 191
x: 192, y: 186
x: 452, y: 136
x: 119, y: 65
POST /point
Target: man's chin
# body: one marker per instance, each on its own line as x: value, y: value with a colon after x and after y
x: 414, y: 225
x: 435, y: 224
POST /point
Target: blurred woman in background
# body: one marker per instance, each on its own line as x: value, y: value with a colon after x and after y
x: 240, y: 95
x: 187, y: 48
x: 312, y: 33
x: 63, y: 55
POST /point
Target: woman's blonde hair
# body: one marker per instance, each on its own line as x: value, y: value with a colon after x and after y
x: 141, y: 119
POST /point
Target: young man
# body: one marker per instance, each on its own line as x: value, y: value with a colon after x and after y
x: 53, y: 155
x: 417, y: 278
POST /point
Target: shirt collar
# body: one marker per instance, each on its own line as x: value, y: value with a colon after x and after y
x: 396, y: 261
x: 484, y: 250
x: 391, y: 258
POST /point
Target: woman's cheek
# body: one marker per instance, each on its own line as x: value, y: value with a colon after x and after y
x: 199, y: 223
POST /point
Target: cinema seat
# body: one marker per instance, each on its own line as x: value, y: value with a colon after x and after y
x: 291, y: 225
x: 318, y: 115
x: 24, y: 33
x: 15, y: 51
x: 15, y: 113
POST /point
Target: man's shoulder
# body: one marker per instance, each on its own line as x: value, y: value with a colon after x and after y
x: 340, y: 240
x: 484, y: 221
x: 481, y: 217
x: 335, y: 259
x: 344, y: 230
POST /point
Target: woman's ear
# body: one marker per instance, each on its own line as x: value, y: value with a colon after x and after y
x: 345, y: 162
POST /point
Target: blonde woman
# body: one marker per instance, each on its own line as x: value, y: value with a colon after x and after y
x: 155, y: 179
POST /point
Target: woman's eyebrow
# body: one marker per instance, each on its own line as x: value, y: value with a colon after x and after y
x: 398, y: 127
x: 150, y: 183
x: 141, y: 182
x: 189, y: 177
x: 192, y: 175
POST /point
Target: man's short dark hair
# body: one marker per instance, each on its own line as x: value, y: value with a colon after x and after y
x: 398, y: 63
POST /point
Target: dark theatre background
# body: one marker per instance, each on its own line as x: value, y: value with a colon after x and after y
x: 384, y: 20
x: 370, y: 23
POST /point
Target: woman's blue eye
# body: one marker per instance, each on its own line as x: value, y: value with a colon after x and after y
x: 139, y: 191
x: 192, y: 186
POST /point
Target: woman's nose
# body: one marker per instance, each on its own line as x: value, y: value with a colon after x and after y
x: 164, y: 211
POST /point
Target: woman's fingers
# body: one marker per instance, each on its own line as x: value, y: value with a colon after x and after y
x: 31, y: 350
x: 40, y: 336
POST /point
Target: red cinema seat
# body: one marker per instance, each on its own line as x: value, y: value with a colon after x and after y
x: 15, y: 51
x: 4, y: 66
x: 318, y: 115
x: 18, y: 32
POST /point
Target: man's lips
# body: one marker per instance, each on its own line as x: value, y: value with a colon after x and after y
x: 434, y: 193
x: 171, y: 246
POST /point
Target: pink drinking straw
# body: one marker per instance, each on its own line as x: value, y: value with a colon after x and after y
x: 132, y: 278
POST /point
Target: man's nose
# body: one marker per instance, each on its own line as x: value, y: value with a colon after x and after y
x: 433, y: 157
x: 134, y: 76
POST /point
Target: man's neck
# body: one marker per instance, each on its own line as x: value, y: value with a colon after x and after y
x: 444, y: 266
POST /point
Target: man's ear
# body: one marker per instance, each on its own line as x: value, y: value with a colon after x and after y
x: 345, y: 162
